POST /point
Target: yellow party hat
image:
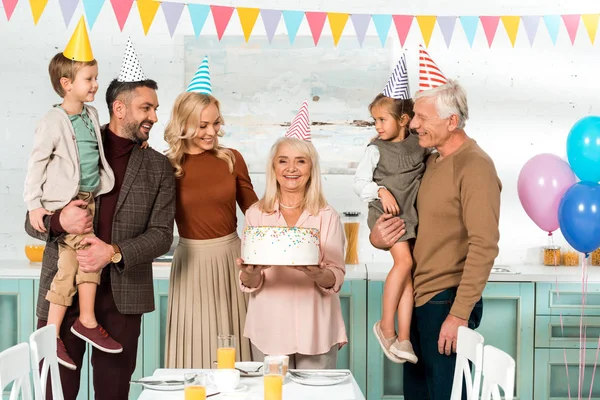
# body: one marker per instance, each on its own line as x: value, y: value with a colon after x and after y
x: 78, y: 48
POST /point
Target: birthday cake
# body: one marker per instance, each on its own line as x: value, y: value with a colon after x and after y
x: 276, y: 245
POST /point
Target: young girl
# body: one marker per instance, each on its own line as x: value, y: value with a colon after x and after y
x: 388, y: 177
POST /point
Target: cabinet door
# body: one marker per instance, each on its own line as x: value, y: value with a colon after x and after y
x: 563, y: 332
x: 557, y: 374
x: 353, y: 356
x: 507, y: 324
x: 155, y: 326
x: 16, y: 313
x: 567, y: 299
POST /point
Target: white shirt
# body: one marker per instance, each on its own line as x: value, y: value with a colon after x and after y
x: 363, y: 183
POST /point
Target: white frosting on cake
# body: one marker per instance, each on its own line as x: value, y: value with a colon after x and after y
x: 276, y: 245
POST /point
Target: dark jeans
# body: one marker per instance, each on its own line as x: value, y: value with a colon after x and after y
x: 112, y: 372
x: 431, y: 378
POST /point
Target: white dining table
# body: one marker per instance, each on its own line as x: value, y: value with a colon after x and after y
x: 347, y: 390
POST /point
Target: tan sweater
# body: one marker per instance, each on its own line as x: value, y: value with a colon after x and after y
x: 457, y: 240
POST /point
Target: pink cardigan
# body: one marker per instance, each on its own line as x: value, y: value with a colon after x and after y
x: 288, y: 312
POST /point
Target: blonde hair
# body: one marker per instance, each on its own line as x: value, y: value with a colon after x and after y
x: 182, y: 127
x: 314, y: 200
x: 62, y: 67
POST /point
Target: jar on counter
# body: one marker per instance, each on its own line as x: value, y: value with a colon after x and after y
x: 595, y: 257
x: 552, y: 255
x: 570, y: 258
x: 351, y: 227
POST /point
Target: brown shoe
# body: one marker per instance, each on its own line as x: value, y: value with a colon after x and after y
x: 97, y: 337
x: 63, y: 357
x: 386, y: 343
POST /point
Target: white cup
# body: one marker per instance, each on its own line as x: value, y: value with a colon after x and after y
x: 226, y: 380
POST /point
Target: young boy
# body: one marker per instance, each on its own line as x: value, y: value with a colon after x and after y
x: 67, y: 163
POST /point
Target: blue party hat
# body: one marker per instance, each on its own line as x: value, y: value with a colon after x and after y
x: 397, y: 86
x: 201, y: 81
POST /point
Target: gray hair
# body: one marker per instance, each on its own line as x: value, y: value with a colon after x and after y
x: 450, y: 99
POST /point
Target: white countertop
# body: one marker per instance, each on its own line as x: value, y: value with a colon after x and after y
x: 23, y: 269
x: 518, y: 273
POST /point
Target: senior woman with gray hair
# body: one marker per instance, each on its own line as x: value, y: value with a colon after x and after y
x: 295, y: 310
x: 457, y: 241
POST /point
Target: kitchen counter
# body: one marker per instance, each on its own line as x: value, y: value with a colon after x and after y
x: 23, y: 269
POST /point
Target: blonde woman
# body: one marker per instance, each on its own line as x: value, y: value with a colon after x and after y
x: 204, y: 297
x: 296, y: 310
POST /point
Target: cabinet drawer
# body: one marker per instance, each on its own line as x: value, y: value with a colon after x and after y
x: 550, y: 333
x: 553, y: 382
x: 566, y: 299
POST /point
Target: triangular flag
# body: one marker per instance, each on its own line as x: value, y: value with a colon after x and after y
x: 200, y: 83
x: 131, y: 69
x: 79, y: 48
x: 337, y: 23
x: 571, y: 22
x: 382, y: 24
x: 470, y: 24
x: 591, y: 25
x: 292, y: 20
x: 403, y: 23
x: 490, y: 26
x: 300, y: 126
x: 316, y: 20
x: 221, y: 16
x: 147, y: 10
x: 531, y: 23
x: 248, y: 18
x: 430, y: 76
x: 397, y: 85
x: 198, y: 15
x: 92, y: 9
x: 9, y: 7
x: 552, y: 23
x: 361, y: 24
x: 426, y: 23
x: 68, y: 9
x: 511, y: 24
x: 37, y: 8
x: 172, y: 12
x: 270, y: 20
x: 446, y: 24
x: 121, y: 9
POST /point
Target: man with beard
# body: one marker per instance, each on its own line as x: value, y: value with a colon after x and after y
x: 134, y: 225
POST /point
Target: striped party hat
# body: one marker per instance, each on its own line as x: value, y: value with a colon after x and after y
x: 201, y: 81
x: 430, y: 75
x: 300, y: 127
x: 131, y: 69
x: 397, y: 85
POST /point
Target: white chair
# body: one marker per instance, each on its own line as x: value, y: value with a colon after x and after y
x: 469, y: 347
x: 498, y: 371
x: 15, y: 366
x: 43, y: 347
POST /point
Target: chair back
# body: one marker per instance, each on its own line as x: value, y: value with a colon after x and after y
x: 15, y: 366
x: 498, y: 372
x: 469, y: 347
x: 43, y: 348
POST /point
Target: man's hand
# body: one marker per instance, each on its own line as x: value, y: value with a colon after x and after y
x: 386, y: 231
x: 449, y: 334
x: 36, y: 219
x: 96, y: 256
x: 390, y: 205
x: 76, y: 220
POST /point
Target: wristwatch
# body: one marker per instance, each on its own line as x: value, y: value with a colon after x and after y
x: 116, y: 257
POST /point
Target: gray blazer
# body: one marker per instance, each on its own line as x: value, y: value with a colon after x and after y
x: 142, y: 228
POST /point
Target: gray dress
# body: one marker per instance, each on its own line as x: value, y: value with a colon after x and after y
x: 400, y: 169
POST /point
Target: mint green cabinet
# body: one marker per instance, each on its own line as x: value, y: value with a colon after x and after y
x: 557, y: 374
x: 507, y: 323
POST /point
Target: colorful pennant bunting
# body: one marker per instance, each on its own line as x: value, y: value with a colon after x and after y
x: 490, y: 26
x: 361, y: 24
x: 270, y: 20
x: 121, y: 9
x: 172, y: 12
x: 316, y: 21
x: 198, y: 15
x: 248, y: 17
x: 67, y: 7
x: 511, y: 24
x: 337, y: 23
x: 426, y: 24
x: 9, y: 7
x: 147, y: 10
x: 382, y: 24
x: 292, y: 20
x: 37, y: 8
x: 92, y: 9
x: 531, y: 23
x: 591, y: 25
x: 221, y: 16
x: 470, y: 25
x: 402, y: 23
x: 446, y: 25
x: 571, y: 22
x: 552, y: 24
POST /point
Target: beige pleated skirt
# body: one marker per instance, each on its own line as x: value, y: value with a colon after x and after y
x: 204, y: 301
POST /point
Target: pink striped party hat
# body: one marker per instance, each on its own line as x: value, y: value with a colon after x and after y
x: 430, y: 76
x: 300, y: 127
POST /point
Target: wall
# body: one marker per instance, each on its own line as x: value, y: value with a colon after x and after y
x: 522, y: 100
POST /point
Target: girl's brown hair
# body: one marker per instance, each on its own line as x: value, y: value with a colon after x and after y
x: 396, y: 107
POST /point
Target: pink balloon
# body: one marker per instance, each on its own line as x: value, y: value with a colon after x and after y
x: 542, y: 182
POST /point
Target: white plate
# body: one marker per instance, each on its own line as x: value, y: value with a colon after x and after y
x: 168, y: 388
x: 250, y: 367
x: 317, y: 380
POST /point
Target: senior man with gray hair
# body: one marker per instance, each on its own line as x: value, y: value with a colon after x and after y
x: 457, y: 240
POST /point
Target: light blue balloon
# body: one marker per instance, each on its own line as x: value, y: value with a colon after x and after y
x: 583, y: 148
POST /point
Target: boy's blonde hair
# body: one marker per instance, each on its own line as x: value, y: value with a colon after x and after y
x: 61, y: 67
x: 181, y: 129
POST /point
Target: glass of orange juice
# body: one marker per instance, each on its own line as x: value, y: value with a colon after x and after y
x: 195, y: 386
x: 226, y: 352
x: 273, y: 377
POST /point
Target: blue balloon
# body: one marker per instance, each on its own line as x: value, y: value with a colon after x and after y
x: 579, y: 216
x: 583, y: 148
